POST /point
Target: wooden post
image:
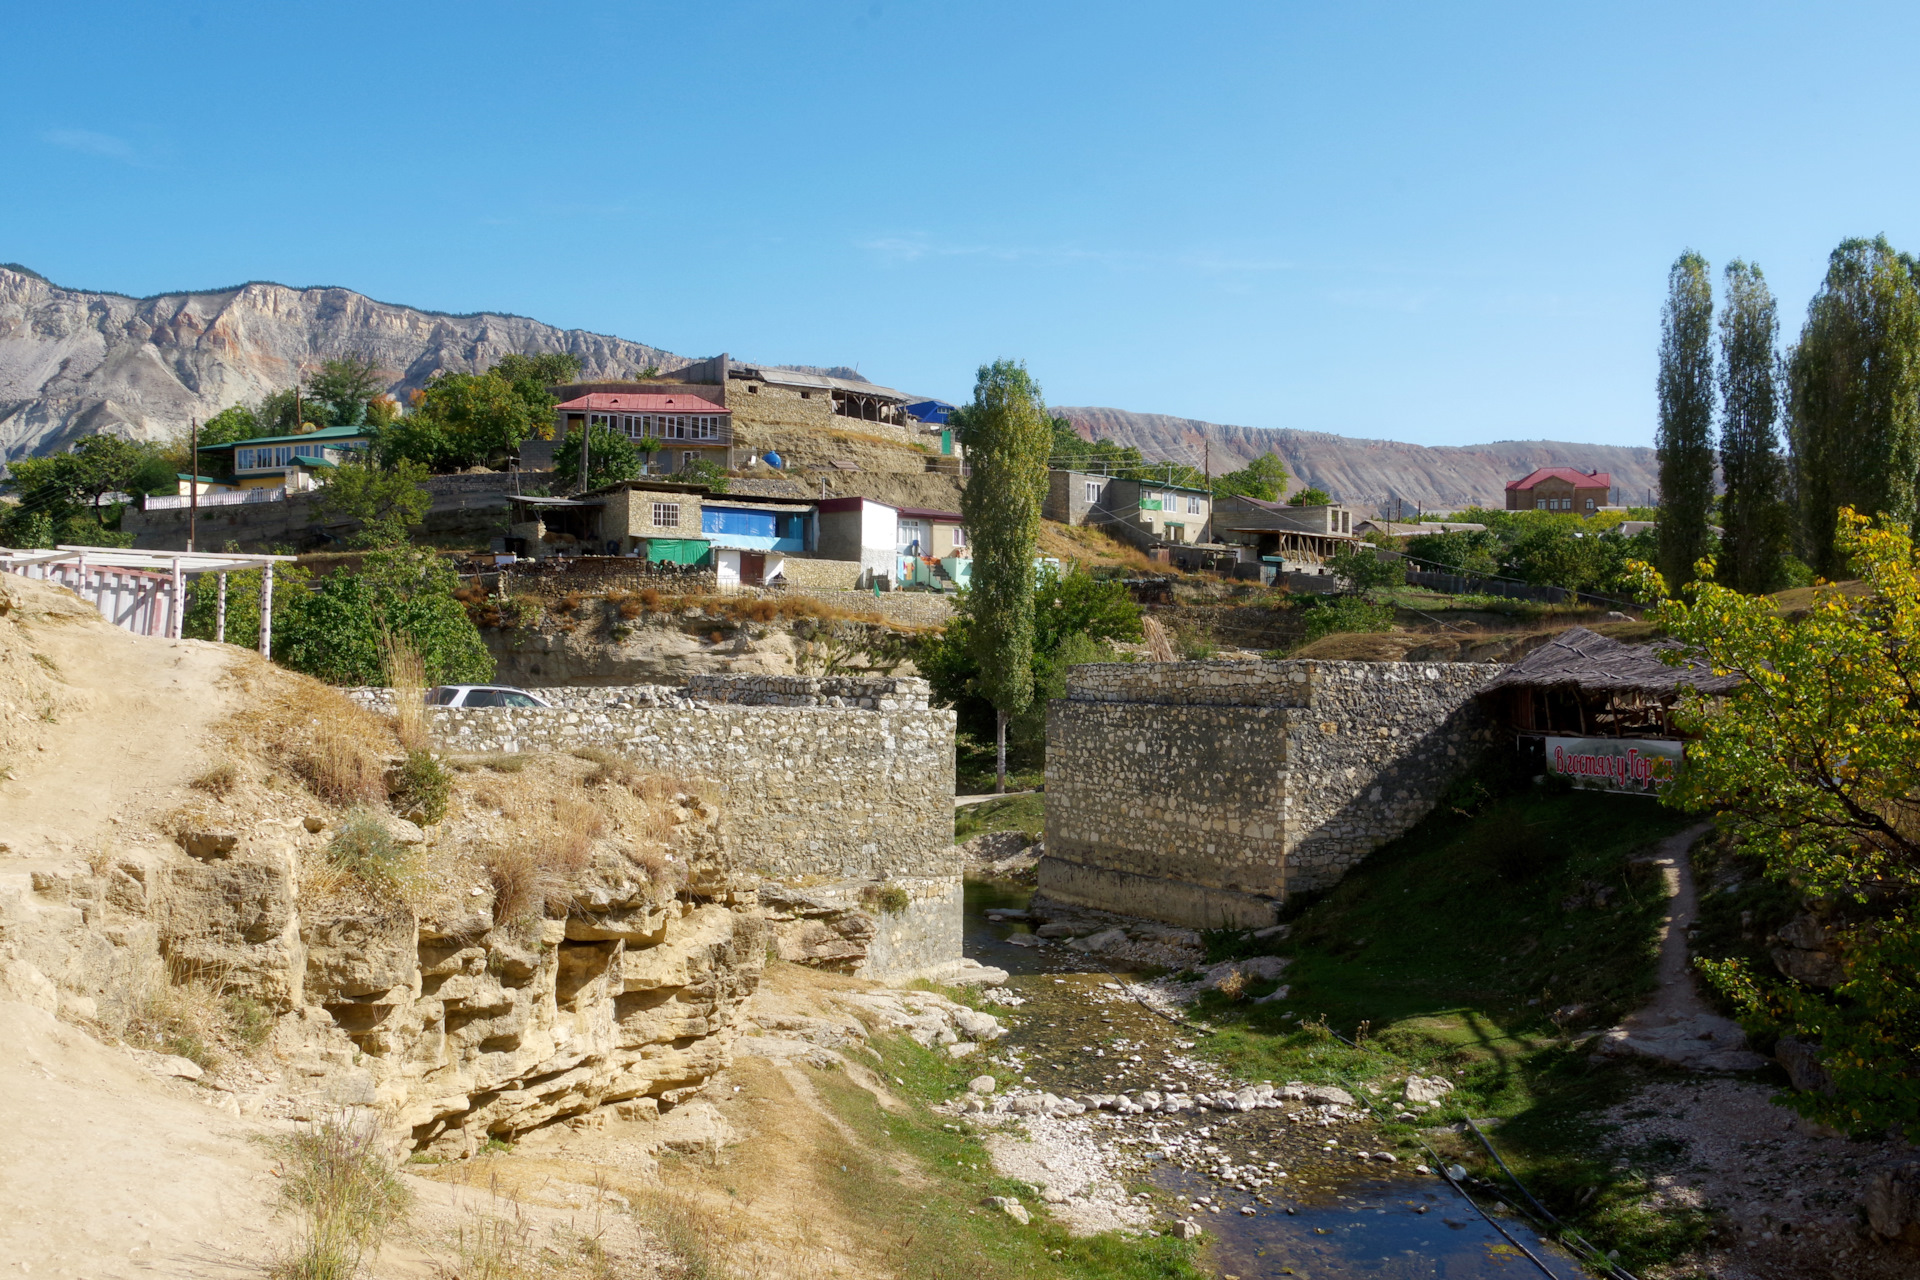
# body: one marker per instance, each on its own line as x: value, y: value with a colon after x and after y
x: 177, y: 605
x: 266, y: 610
x: 220, y: 613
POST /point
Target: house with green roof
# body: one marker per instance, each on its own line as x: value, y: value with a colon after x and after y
x: 290, y: 462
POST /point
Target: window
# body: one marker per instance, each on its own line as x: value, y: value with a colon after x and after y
x: 1093, y: 491
x: 1589, y: 504
x: 959, y: 537
x: 483, y: 698
x: 242, y: 459
x: 912, y: 538
x: 1540, y: 504
x: 1346, y: 522
x: 688, y: 457
x: 1193, y: 505
x: 666, y: 515
x: 517, y: 700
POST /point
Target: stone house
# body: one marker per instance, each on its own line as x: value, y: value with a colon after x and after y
x: 1145, y: 512
x: 1293, y: 539
x: 1560, y: 489
x: 862, y: 530
x: 688, y: 428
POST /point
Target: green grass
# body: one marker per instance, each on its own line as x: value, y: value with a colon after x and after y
x: 1452, y: 952
x: 930, y: 1222
x: 1015, y: 813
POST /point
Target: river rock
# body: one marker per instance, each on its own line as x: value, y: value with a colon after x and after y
x: 1325, y: 1095
x: 1801, y: 1061
x: 1424, y: 1089
x: 1012, y: 1208
x: 1893, y: 1202
x: 1099, y: 943
x: 981, y: 1084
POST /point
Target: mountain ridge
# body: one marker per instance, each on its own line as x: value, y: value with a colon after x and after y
x: 1383, y: 476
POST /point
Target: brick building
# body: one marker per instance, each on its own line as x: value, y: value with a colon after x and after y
x: 1560, y: 489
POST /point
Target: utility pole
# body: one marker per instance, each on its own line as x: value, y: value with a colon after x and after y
x: 586, y: 429
x: 193, y: 480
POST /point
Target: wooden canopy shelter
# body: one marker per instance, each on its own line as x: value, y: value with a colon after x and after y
x: 1585, y: 685
x: 145, y: 591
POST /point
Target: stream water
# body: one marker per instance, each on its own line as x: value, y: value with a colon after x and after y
x: 1333, y: 1214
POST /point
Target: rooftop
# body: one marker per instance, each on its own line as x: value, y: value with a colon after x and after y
x: 640, y: 402
x: 324, y: 435
x: 1570, y: 475
x: 1579, y: 659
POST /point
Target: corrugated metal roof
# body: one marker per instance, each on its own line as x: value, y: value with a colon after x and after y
x: 632, y: 402
x: 819, y: 381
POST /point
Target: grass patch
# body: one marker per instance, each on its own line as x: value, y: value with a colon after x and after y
x: 926, y: 1219
x: 337, y: 1177
x: 363, y: 848
x: 1478, y: 950
x: 1015, y: 813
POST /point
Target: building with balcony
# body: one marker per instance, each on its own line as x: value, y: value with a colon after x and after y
x: 289, y: 462
x: 687, y: 428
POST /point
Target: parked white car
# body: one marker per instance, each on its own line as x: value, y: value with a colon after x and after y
x: 482, y: 695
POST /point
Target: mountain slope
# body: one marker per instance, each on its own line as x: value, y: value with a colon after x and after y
x: 73, y: 363
x: 1370, y: 474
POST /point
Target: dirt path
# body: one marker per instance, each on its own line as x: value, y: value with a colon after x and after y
x: 123, y: 736
x: 1677, y: 1026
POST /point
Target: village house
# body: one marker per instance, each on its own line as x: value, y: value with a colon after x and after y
x: 932, y: 549
x: 862, y: 530
x: 293, y: 463
x: 688, y: 428
x: 1291, y: 539
x: 1145, y: 512
x: 1560, y: 489
x: 1415, y: 528
x: 749, y: 539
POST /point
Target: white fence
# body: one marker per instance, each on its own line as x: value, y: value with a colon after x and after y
x: 132, y: 599
x: 239, y: 497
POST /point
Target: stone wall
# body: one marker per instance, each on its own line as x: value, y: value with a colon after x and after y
x: 866, y: 693
x: 831, y: 575
x: 809, y: 791
x: 465, y: 508
x: 1204, y: 793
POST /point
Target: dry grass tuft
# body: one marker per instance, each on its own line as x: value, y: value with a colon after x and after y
x: 407, y: 677
x: 337, y: 1176
x: 218, y: 780
x: 338, y: 750
x: 518, y: 891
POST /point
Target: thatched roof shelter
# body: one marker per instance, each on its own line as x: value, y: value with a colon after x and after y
x: 1587, y: 684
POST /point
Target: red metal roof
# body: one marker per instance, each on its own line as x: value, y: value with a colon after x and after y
x: 627, y: 402
x: 930, y: 513
x: 1578, y: 479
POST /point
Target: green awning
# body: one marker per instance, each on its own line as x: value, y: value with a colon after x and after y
x: 677, y: 550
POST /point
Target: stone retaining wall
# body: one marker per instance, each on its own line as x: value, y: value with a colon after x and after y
x: 1204, y: 793
x: 808, y: 791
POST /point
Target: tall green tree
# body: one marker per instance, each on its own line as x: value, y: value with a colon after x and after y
x: 1264, y: 478
x: 467, y: 419
x: 342, y: 389
x: 1753, y: 511
x: 1008, y: 435
x: 611, y: 457
x: 388, y: 504
x: 1853, y: 397
x: 1686, y: 416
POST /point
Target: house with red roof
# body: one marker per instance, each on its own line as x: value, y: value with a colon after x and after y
x: 688, y: 428
x: 1560, y: 489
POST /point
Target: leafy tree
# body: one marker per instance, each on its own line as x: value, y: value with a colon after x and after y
x: 611, y: 457
x: 341, y: 390
x: 538, y: 371
x: 334, y: 630
x: 1555, y: 549
x: 64, y: 486
x: 1328, y: 615
x: 1310, y: 497
x: 1104, y: 457
x: 1007, y: 435
x: 386, y: 503
x: 1076, y: 617
x: 1753, y: 509
x: 202, y: 620
x: 1853, y: 396
x: 1365, y: 572
x: 470, y: 419
x: 236, y: 422
x: 700, y: 471
x: 1685, y: 438
x: 1264, y: 478
x: 1465, y: 551
x: 1811, y: 767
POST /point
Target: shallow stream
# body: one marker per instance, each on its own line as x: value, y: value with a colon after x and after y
x: 1333, y: 1214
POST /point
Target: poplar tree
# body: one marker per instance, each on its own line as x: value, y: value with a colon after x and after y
x: 1753, y: 510
x: 1007, y: 435
x: 1853, y: 397
x: 1686, y: 417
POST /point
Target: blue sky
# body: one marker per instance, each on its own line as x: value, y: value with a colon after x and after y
x: 1437, y: 223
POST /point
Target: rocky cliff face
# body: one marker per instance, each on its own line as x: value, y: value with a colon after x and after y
x: 1371, y: 474
x: 74, y: 363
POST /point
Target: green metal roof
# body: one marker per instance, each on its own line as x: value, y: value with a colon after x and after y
x: 324, y: 435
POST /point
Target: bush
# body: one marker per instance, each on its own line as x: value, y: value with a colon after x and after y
x: 336, y: 1175
x: 888, y: 899
x: 420, y: 788
x: 364, y: 849
x: 1333, y: 614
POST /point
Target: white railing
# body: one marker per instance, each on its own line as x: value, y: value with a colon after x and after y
x: 132, y: 599
x: 168, y: 502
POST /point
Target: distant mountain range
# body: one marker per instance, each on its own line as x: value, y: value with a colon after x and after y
x: 1375, y: 475
x: 73, y: 363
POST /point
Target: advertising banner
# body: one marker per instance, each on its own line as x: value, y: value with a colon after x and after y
x: 1639, y: 766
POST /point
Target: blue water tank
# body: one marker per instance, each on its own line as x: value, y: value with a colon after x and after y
x: 773, y: 459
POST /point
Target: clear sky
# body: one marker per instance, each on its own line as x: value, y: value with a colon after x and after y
x: 1436, y: 223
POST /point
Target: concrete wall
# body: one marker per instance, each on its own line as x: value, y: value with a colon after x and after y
x: 1205, y: 792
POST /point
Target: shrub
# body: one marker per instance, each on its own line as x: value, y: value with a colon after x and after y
x: 889, y: 899
x: 1344, y: 614
x: 517, y: 894
x: 363, y: 848
x: 219, y: 780
x: 336, y: 1175
x: 420, y: 788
